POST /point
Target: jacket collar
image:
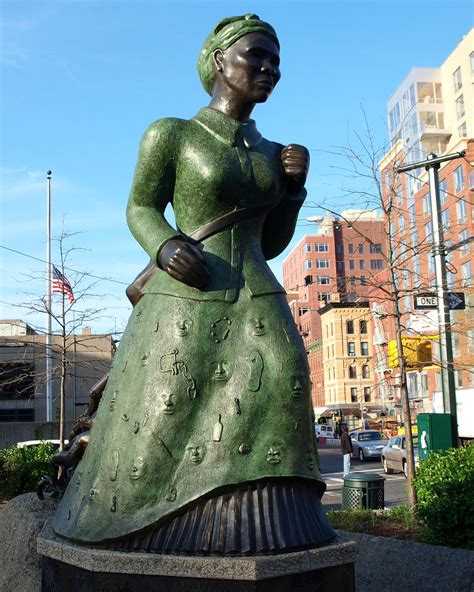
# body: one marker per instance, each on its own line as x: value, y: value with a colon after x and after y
x: 228, y: 130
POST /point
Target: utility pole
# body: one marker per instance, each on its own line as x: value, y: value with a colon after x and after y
x: 432, y: 165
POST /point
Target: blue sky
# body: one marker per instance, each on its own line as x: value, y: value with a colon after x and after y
x: 80, y: 82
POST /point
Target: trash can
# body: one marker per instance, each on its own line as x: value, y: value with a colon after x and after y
x: 363, y: 491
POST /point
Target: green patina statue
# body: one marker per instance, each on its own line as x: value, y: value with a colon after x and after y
x: 203, y: 441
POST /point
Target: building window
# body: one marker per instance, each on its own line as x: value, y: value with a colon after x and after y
x: 363, y: 327
x: 340, y: 265
x: 351, y: 348
x: 460, y: 110
x: 350, y: 327
x: 353, y: 280
x: 351, y: 264
x: 367, y: 394
x: 324, y: 296
x: 17, y: 380
x: 307, y: 248
x: 308, y: 264
x: 353, y: 395
x: 463, y: 249
x: 445, y: 218
x: 461, y: 211
x: 363, y: 280
x: 458, y: 378
x: 427, y: 203
x: 339, y: 249
x: 351, y: 248
x: 321, y: 247
x: 443, y: 191
x: 457, y: 80
x: 364, y: 348
x: 322, y: 263
x: 466, y: 274
x: 401, y: 224
x: 429, y: 231
x: 12, y: 415
x: 352, y: 372
x: 470, y: 339
x: 462, y: 130
x: 360, y: 249
x: 458, y: 179
x: 399, y: 194
x: 361, y: 263
x: 308, y: 279
x: 456, y: 342
x: 323, y: 280
x: 376, y: 264
x: 375, y: 248
x: 365, y: 371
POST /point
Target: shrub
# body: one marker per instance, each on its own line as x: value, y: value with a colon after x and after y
x: 444, y: 486
x: 22, y: 468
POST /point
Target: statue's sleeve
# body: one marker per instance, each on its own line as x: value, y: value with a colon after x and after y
x: 153, y: 186
x: 280, y: 224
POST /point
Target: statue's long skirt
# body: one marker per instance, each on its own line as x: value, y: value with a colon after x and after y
x: 204, y: 439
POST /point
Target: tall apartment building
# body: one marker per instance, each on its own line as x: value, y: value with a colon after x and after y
x: 334, y: 265
x: 433, y: 111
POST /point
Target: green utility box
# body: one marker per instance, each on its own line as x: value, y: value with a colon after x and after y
x: 363, y: 491
x: 435, y: 432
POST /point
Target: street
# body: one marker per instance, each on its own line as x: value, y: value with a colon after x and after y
x: 331, y: 471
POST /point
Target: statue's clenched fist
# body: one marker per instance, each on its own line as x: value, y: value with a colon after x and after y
x: 185, y: 263
x: 295, y: 161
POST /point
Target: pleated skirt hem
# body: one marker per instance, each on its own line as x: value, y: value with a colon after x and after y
x: 265, y: 517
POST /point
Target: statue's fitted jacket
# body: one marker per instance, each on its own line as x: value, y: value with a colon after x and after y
x: 208, y: 389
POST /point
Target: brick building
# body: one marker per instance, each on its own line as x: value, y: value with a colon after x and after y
x: 433, y: 111
x: 336, y: 264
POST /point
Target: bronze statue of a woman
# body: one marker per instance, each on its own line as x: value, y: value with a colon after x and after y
x: 203, y: 442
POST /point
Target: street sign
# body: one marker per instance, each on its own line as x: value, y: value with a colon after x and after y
x: 456, y: 301
x: 429, y: 300
x: 426, y: 300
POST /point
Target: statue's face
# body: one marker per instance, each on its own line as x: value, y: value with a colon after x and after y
x: 250, y: 67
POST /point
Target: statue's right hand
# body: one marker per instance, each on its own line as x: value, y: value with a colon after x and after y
x: 185, y: 263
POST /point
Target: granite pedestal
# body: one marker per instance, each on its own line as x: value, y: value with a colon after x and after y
x: 71, y: 567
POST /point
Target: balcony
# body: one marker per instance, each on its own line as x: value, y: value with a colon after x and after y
x: 432, y: 132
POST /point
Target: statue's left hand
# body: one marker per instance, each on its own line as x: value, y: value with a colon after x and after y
x: 295, y: 161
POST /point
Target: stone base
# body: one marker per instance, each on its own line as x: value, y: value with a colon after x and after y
x: 77, y: 568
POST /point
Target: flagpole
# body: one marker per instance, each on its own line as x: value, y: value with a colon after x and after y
x: 49, y: 394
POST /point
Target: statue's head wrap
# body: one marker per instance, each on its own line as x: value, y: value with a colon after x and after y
x: 225, y: 34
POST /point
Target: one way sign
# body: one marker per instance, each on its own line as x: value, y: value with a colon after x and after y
x: 456, y: 301
x: 429, y: 300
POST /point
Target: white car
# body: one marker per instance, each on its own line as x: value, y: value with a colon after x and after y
x: 31, y: 443
x: 323, y: 430
x: 394, y: 455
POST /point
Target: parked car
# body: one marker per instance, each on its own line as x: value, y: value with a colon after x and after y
x: 326, y: 431
x: 31, y: 443
x: 394, y: 455
x: 367, y: 444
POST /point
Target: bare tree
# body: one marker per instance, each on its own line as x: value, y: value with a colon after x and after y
x: 69, y: 314
x: 388, y: 289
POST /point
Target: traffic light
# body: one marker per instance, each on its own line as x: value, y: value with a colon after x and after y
x: 417, y: 350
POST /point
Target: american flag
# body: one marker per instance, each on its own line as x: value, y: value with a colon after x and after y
x: 61, y: 285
